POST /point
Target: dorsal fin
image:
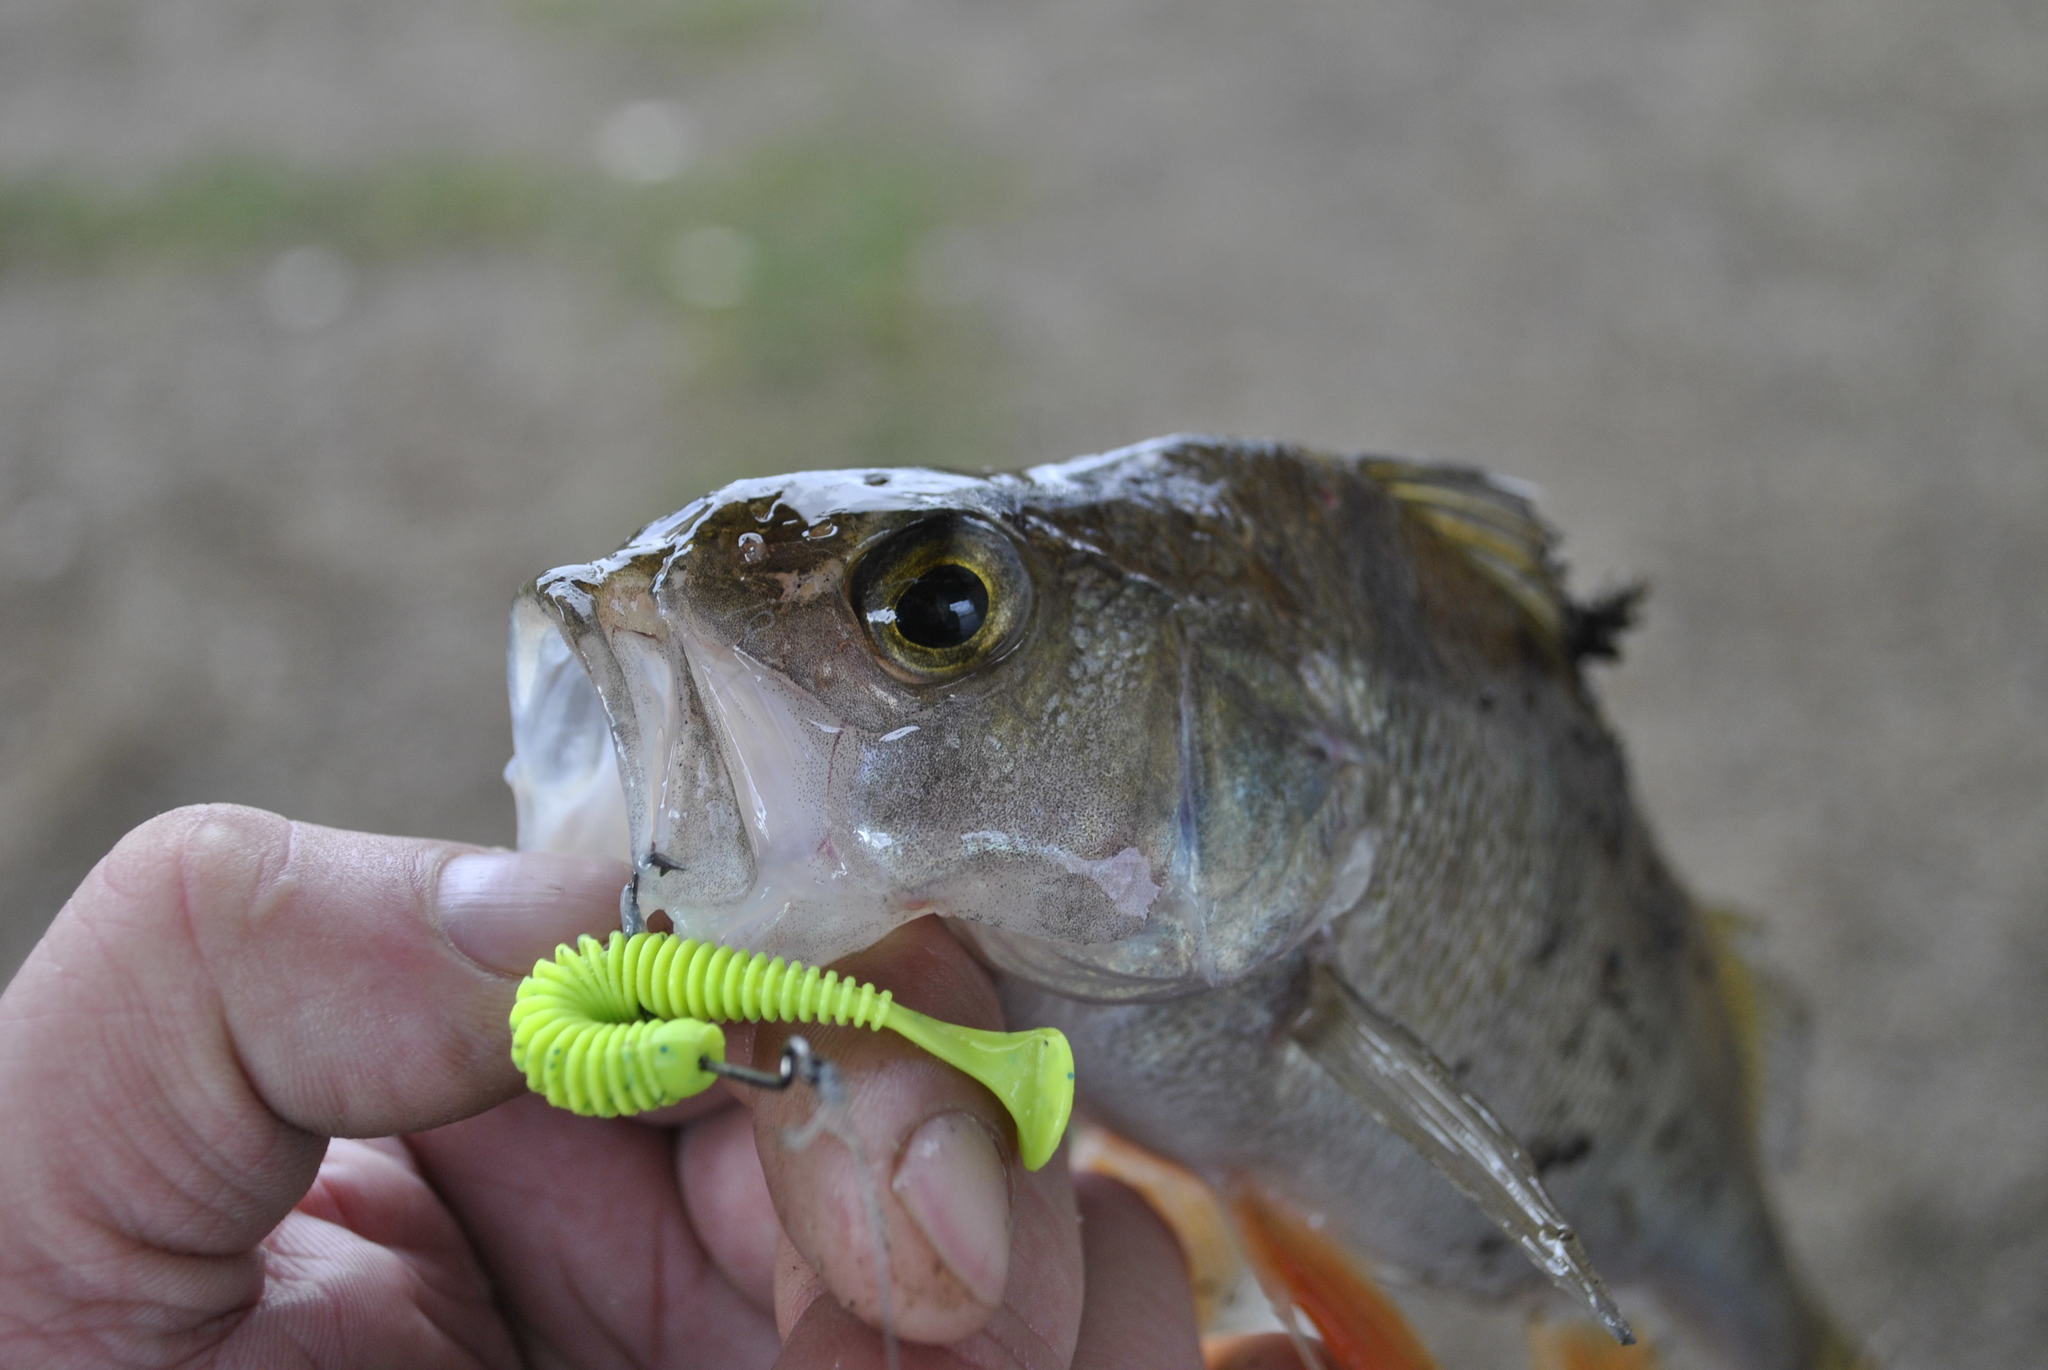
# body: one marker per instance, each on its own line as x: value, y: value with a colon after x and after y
x: 1497, y: 529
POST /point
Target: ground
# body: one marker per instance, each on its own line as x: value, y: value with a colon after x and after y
x: 322, y: 327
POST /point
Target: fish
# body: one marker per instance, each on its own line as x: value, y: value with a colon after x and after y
x: 1275, y: 779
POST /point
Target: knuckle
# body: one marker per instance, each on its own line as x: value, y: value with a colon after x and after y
x: 200, y: 864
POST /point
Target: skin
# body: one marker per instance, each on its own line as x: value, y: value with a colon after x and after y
x: 264, y: 1116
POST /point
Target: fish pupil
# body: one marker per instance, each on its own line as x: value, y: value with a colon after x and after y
x: 944, y: 607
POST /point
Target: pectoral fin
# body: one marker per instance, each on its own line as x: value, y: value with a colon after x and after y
x: 1398, y: 1080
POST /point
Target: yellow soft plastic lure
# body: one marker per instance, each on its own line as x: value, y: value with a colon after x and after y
x: 631, y: 1024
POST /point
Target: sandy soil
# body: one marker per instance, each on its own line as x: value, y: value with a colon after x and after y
x: 1757, y: 292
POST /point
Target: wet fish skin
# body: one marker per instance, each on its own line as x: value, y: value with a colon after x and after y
x: 1519, y: 919
x: 1264, y: 713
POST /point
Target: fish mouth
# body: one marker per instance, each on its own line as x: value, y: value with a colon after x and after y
x: 635, y: 736
x: 613, y: 752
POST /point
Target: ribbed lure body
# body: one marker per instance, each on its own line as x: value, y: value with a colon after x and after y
x: 630, y: 1025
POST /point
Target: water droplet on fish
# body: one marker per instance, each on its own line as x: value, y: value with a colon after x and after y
x: 752, y: 548
x: 818, y: 532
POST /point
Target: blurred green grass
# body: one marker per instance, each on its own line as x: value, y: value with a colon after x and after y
x: 690, y: 24
x: 821, y: 335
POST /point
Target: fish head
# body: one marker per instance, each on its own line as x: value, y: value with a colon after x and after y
x: 814, y: 707
x: 1088, y: 712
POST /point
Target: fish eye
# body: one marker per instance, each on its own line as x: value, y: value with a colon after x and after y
x: 944, y: 607
x: 941, y: 598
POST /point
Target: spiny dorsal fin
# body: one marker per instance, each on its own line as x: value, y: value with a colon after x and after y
x: 1496, y: 527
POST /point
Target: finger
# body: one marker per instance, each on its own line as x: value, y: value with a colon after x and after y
x: 392, y: 1244
x: 726, y: 1195
x: 966, y: 1230
x: 1259, y: 1351
x: 224, y: 992
x: 582, y: 1227
x: 1139, y: 1313
x: 827, y: 1337
x: 822, y: 1335
x: 797, y: 1287
x: 716, y: 1099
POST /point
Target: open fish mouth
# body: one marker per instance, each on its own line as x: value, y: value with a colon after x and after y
x: 631, y: 737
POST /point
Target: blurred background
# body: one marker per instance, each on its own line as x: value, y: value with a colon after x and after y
x: 323, y: 326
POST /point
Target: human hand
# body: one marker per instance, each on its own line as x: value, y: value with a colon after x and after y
x: 227, y: 991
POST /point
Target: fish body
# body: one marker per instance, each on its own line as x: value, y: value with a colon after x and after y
x: 1175, y: 735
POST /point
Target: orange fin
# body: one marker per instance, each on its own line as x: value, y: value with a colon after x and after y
x: 1583, y: 1346
x: 1360, y: 1326
x: 1183, y: 1202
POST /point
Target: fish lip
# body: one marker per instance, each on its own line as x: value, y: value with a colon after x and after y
x: 774, y: 776
x: 563, y: 772
x: 639, y: 731
x: 613, y: 750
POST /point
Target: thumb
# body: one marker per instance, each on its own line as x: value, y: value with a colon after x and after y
x: 225, y: 992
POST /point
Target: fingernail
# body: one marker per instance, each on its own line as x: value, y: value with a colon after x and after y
x: 507, y: 909
x: 952, y: 1182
